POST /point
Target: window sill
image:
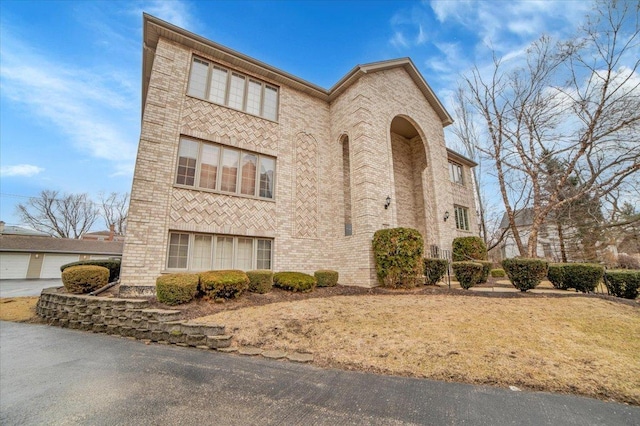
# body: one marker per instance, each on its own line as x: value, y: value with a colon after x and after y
x: 229, y: 194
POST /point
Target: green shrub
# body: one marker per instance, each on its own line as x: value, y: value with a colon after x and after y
x: 469, y: 248
x: 555, y: 275
x: 525, y: 274
x: 467, y: 273
x: 583, y: 277
x: 434, y: 269
x: 398, y: 256
x: 486, y: 269
x: 260, y: 281
x: 498, y: 273
x: 623, y: 283
x: 83, y: 279
x: 294, y: 281
x: 225, y: 284
x: 113, y: 265
x: 175, y: 289
x: 326, y: 278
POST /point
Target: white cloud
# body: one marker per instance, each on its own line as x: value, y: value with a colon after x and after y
x: 175, y: 12
x: 399, y: 40
x: 23, y: 170
x: 93, y: 108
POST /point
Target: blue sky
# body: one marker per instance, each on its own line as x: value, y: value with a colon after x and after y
x: 70, y: 72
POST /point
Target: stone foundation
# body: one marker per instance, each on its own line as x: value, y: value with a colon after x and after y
x: 127, y: 318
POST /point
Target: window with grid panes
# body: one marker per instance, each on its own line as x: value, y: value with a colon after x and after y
x: 233, y: 89
x: 462, y: 217
x: 211, y: 166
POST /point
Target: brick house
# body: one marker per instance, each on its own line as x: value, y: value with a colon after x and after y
x: 244, y: 166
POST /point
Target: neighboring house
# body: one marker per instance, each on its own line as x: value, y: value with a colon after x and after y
x: 548, y: 238
x: 18, y: 230
x: 244, y: 166
x: 106, y: 235
x: 41, y: 257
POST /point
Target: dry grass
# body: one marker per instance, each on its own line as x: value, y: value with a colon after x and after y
x: 18, y: 309
x: 576, y: 345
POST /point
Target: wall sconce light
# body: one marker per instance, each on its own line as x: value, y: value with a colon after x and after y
x: 387, y: 202
x: 446, y: 215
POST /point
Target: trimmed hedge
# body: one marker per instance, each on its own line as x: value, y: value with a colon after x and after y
x: 623, y: 282
x: 486, y: 269
x: 583, y: 277
x: 525, y: 274
x: 113, y: 265
x: 498, y: 273
x: 398, y: 256
x: 83, y: 279
x: 467, y: 273
x: 556, y: 275
x: 176, y: 289
x: 469, y: 248
x: 294, y: 281
x: 326, y: 278
x: 225, y: 284
x: 260, y: 281
x: 434, y: 269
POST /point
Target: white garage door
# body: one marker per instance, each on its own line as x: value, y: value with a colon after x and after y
x: 52, y: 263
x: 14, y: 265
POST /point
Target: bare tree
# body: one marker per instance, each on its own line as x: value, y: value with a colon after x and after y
x: 67, y: 216
x: 578, y: 101
x: 114, y: 209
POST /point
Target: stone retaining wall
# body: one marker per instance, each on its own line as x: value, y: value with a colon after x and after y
x: 128, y: 318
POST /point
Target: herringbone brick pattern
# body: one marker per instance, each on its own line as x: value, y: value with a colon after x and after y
x: 306, y: 196
x: 197, y: 208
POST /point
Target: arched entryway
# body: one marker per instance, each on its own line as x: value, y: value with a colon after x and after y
x: 409, y: 165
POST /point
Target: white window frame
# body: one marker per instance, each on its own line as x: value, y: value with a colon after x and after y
x: 461, y: 218
x: 214, y: 250
x: 217, y: 189
x: 456, y: 173
x: 247, y: 78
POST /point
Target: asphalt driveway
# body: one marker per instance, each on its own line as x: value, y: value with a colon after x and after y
x: 50, y: 375
x: 20, y: 288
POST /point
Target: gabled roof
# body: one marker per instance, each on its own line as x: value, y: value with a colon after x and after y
x: 523, y: 217
x: 19, y: 243
x: 154, y: 28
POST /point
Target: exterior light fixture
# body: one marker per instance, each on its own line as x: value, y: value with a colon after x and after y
x: 387, y: 202
x: 446, y: 215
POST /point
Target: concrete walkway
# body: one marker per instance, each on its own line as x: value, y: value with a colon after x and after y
x: 50, y: 375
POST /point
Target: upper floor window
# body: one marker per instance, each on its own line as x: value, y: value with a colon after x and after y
x: 462, y: 217
x: 221, y: 168
x: 232, y: 89
x: 455, y: 173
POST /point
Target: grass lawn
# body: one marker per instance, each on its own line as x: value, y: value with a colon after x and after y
x: 18, y: 309
x: 579, y: 345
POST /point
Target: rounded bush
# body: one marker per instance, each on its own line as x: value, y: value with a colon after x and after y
x: 498, y: 273
x: 260, y: 281
x: 398, y: 257
x: 469, y: 248
x: 434, y: 269
x: 176, y: 289
x: 583, y: 277
x: 467, y: 273
x: 294, y: 281
x: 623, y: 282
x: 83, y: 279
x: 113, y: 265
x: 525, y: 274
x: 326, y: 278
x: 486, y: 269
x: 555, y: 275
x: 225, y: 284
